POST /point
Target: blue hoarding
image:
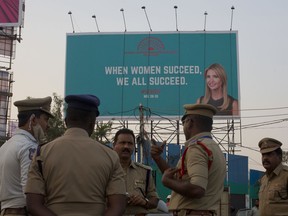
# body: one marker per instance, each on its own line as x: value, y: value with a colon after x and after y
x: 238, y: 174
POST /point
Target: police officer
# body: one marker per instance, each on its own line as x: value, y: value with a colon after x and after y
x: 198, y: 180
x: 255, y: 209
x: 273, y: 193
x: 74, y: 174
x: 141, y: 190
x: 16, y: 154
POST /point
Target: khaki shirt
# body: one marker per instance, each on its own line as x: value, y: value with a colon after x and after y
x: 273, y: 193
x: 196, y: 164
x: 78, y: 174
x: 135, y: 178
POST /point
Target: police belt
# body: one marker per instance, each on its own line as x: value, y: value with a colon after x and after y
x: 193, y: 212
x: 17, y: 211
x: 141, y: 214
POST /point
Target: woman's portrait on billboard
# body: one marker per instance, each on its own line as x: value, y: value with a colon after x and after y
x: 216, y: 93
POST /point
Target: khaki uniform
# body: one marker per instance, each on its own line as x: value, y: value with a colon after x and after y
x: 196, y: 166
x: 78, y: 174
x: 14, y: 212
x: 135, y: 178
x: 2, y: 214
x: 273, y: 193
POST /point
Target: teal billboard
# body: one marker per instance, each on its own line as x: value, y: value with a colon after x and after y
x: 159, y: 71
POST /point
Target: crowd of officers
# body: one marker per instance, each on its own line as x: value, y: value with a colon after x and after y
x: 75, y: 175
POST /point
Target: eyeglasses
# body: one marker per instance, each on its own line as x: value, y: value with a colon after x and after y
x: 186, y: 120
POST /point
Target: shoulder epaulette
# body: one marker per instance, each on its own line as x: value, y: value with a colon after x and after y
x: 261, y: 177
x: 143, y: 166
x: 193, y: 142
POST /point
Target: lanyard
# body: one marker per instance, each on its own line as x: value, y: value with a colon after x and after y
x: 210, y: 155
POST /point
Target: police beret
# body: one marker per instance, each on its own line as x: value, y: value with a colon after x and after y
x: 268, y: 145
x: 42, y: 104
x: 83, y: 102
x: 199, y: 109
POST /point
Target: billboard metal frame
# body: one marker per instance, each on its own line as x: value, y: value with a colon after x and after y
x: 8, y: 38
x: 6, y: 81
x: 226, y: 132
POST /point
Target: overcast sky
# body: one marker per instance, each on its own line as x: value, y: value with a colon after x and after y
x: 39, y: 66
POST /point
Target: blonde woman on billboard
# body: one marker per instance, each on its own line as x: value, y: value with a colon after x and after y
x: 216, y: 91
